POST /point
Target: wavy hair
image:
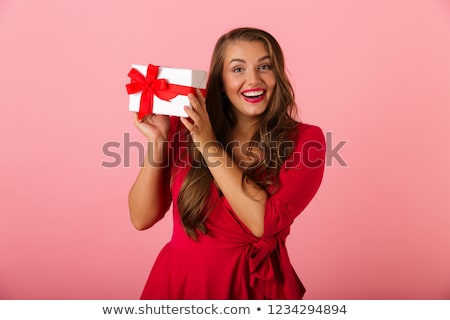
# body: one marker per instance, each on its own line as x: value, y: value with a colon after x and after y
x: 277, y: 126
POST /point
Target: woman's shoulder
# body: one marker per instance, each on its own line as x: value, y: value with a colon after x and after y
x: 309, y: 147
x: 309, y: 132
x: 174, y: 126
x: 304, y: 126
x: 177, y: 131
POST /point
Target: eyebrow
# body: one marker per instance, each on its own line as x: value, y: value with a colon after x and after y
x: 243, y: 61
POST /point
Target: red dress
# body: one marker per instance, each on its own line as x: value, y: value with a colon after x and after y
x: 230, y: 262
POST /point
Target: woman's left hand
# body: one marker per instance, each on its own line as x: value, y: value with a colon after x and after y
x: 199, y: 124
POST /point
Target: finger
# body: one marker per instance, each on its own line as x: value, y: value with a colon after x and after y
x: 136, y: 119
x: 192, y: 113
x: 200, y: 96
x: 195, y: 103
x: 147, y: 118
x: 187, y: 124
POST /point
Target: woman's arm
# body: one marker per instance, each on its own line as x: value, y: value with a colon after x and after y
x: 246, y: 199
x: 149, y: 197
x: 300, y: 176
x: 300, y: 179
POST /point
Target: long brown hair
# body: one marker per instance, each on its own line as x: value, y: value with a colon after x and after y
x: 277, y: 126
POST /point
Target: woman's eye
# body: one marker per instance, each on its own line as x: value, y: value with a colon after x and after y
x: 238, y: 69
x: 265, y: 67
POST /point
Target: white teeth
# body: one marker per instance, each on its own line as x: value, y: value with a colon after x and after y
x: 253, y: 93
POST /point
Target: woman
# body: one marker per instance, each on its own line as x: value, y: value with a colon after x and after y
x: 241, y: 169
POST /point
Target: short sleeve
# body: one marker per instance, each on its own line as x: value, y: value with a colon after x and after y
x: 300, y: 179
x: 176, y: 139
x: 178, y: 147
x: 174, y: 127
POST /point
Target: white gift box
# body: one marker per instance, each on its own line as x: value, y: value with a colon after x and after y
x: 178, y: 76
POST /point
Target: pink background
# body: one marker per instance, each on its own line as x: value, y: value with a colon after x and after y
x: 373, y: 73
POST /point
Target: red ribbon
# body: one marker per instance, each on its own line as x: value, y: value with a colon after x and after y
x: 267, y: 268
x: 151, y: 86
x: 260, y: 262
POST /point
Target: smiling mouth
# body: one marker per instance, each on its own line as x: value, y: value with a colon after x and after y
x: 254, y: 96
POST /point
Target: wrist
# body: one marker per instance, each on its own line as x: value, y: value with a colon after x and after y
x: 159, y: 138
x: 157, y: 153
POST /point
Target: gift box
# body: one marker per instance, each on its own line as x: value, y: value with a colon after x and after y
x: 162, y: 90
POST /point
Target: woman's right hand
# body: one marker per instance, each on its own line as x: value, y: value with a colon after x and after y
x: 155, y: 127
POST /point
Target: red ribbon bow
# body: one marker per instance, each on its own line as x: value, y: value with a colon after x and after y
x: 265, y: 266
x: 260, y: 260
x: 150, y: 86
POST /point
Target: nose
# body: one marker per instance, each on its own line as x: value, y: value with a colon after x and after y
x: 253, y: 76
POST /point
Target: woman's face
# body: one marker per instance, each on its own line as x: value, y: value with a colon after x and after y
x: 248, y: 78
